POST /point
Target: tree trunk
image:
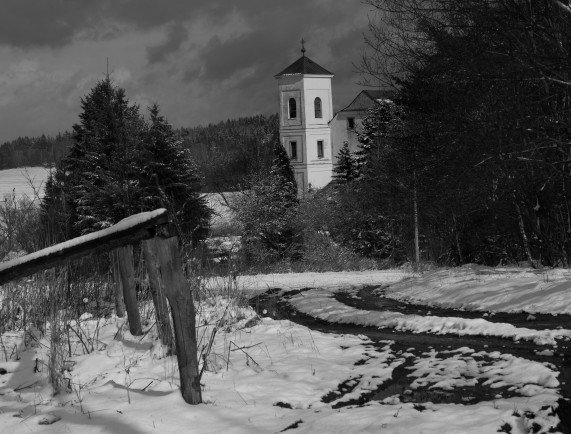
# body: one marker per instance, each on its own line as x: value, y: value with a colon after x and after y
x: 415, y: 212
x: 127, y: 273
x: 524, y: 238
x: 117, y: 287
x: 182, y: 308
x: 457, y: 238
x: 156, y: 283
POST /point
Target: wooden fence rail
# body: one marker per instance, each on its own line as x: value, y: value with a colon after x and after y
x: 129, y: 231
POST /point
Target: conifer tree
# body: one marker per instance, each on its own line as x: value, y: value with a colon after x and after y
x: 97, y: 180
x: 345, y: 170
x: 120, y: 165
x: 281, y: 173
x: 169, y: 178
x: 382, y: 120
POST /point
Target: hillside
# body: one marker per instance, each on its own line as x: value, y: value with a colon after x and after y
x: 23, y: 181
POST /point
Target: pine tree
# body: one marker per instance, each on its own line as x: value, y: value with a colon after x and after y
x: 169, y: 178
x: 54, y: 210
x: 382, y: 120
x: 345, y: 169
x: 282, y: 174
x: 98, y: 180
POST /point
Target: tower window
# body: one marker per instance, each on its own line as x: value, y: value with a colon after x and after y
x: 293, y: 150
x: 317, y: 104
x: 292, y: 106
x: 320, y: 149
x: 351, y: 123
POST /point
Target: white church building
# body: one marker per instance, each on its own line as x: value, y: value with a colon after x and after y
x: 309, y: 130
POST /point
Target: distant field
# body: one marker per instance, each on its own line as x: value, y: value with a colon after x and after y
x: 18, y: 181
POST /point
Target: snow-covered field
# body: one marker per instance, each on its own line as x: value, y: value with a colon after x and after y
x: 24, y: 181
x: 268, y: 376
x: 218, y: 203
x: 492, y: 289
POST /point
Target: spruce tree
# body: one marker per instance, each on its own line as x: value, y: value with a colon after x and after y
x: 97, y: 182
x: 345, y: 170
x: 169, y: 178
x: 281, y: 173
x: 381, y: 121
x: 120, y: 165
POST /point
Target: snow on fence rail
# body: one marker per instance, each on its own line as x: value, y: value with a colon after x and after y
x: 128, y: 231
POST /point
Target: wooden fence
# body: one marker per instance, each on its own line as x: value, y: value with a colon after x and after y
x: 166, y: 278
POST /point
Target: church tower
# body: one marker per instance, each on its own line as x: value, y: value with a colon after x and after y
x: 306, y: 107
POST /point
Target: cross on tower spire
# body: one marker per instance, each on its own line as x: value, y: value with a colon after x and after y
x: 302, y: 46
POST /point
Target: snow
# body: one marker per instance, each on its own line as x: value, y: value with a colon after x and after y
x: 321, y: 304
x: 331, y: 280
x: 222, y: 214
x: 266, y: 376
x: 17, y: 181
x: 492, y: 289
x: 498, y: 370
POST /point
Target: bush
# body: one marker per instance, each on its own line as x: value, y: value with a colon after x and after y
x: 19, y: 232
x: 267, y: 212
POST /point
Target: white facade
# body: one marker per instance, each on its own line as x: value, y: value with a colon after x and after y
x: 304, y: 128
x: 309, y: 130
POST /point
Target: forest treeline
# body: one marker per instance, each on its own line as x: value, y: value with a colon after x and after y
x: 34, y: 151
x: 225, y: 152
x: 472, y: 162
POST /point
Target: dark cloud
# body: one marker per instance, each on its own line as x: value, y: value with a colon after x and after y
x: 333, y: 39
x: 275, y: 36
x: 221, y: 60
x: 176, y: 35
x: 347, y: 51
x: 226, y: 72
x: 55, y: 23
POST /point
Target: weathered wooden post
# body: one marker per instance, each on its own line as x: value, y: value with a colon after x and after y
x: 117, y: 287
x: 127, y: 274
x: 183, y: 315
x: 158, y: 293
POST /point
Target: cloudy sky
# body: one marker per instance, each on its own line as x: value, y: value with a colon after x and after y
x: 201, y: 61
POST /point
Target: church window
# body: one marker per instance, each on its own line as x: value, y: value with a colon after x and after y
x: 317, y: 104
x: 293, y: 150
x: 320, y: 149
x: 292, y: 106
x: 351, y: 123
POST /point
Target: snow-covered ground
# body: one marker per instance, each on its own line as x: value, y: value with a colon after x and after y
x: 492, y: 289
x: 222, y: 214
x: 267, y: 376
x: 23, y: 181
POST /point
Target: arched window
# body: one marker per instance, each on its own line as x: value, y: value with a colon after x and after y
x: 292, y: 108
x: 317, y: 105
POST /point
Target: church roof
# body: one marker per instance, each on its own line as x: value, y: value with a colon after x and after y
x: 304, y: 66
x: 367, y: 98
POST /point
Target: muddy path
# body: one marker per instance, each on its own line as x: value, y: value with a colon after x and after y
x: 272, y: 304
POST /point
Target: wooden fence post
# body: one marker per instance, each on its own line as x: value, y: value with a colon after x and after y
x: 117, y: 286
x: 157, y: 287
x: 183, y: 315
x: 127, y: 273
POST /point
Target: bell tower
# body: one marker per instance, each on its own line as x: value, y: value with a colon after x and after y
x: 306, y: 107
